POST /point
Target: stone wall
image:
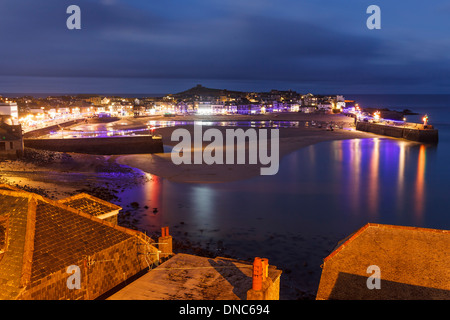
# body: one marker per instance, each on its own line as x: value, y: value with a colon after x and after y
x: 100, y: 273
x: 103, y: 146
x: 43, y: 131
x: 11, y: 149
x: 419, y: 134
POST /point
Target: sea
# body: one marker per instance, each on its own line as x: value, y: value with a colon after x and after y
x: 322, y: 194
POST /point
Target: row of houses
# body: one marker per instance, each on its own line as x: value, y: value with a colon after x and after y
x: 197, y: 107
x: 235, y: 107
x: 11, y: 140
x: 251, y: 103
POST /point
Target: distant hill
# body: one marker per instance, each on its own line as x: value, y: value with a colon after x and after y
x: 199, y: 90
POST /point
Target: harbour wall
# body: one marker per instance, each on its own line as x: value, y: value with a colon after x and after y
x: 420, y: 133
x: 43, y: 131
x: 101, y: 146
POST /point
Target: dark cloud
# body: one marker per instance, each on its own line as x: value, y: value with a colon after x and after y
x: 128, y: 40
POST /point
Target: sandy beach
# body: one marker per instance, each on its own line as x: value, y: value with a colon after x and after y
x: 39, y: 166
x: 290, y: 139
x: 57, y: 175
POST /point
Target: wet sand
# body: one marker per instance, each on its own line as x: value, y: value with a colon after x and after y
x: 290, y: 139
x: 58, y: 175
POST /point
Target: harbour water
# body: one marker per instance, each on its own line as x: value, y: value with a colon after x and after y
x: 321, y: 194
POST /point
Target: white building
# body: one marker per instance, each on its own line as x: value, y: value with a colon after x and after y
x: 218, y: 108
x: 340, y: 102
x: 204, y: 107
x: 327, y: 106
x: 9, y: 109
x: 307, y: 109
x: 36, y: 110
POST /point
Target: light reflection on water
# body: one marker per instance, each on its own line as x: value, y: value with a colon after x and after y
x: 329, y: 187
x: 321, y: 194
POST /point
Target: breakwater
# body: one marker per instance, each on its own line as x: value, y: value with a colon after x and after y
x: 419, y: 133
x: 43, y: 131
x: 101, y: 146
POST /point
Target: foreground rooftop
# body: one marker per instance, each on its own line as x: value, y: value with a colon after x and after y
x: 91, y: 205
x: 40, y: 238
x: 189, y: 277
x: 413, y: 263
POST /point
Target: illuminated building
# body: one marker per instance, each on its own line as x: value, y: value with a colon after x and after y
x: 9, y: 109
x: 11, y: 141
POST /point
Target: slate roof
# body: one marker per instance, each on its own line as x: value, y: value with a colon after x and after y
x: 189, y: 277
x: 90, y: 204
x: 413, y: 264
x: 43, y: 236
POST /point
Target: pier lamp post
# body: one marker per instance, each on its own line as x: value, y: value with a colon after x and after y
x: 425, y: 120
x: 377, y: 116
x: 357, y: 113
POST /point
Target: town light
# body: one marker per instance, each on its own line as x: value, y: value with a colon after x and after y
x: 425, y: 120
x: 376, y: 115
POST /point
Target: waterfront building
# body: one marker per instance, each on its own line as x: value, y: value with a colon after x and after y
x: 325, y: 106
x: 294, y: 107
x: 36, y: 110
x: 41, y: 238
x: 231, y: 107
x: 310, y: 100
x: 219, y: 108
x: 340, y: 103
x: 9, y: 109
x: 307, y: 109
x: 248, y: 108
x: 63, y: 111
x: 11, y: 140
x: 204, y: 107
x: 278, y: 106
x: 183, y: 107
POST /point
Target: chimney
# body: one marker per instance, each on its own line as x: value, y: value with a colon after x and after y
x: 165, y: 243
x: 263, y: 287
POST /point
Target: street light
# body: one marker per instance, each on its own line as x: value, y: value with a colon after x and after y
x: 377, y: 116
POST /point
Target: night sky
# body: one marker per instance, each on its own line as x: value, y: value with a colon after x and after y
x: 167, y: 46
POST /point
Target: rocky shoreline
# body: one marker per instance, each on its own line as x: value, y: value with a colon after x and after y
x: 46, y: 173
